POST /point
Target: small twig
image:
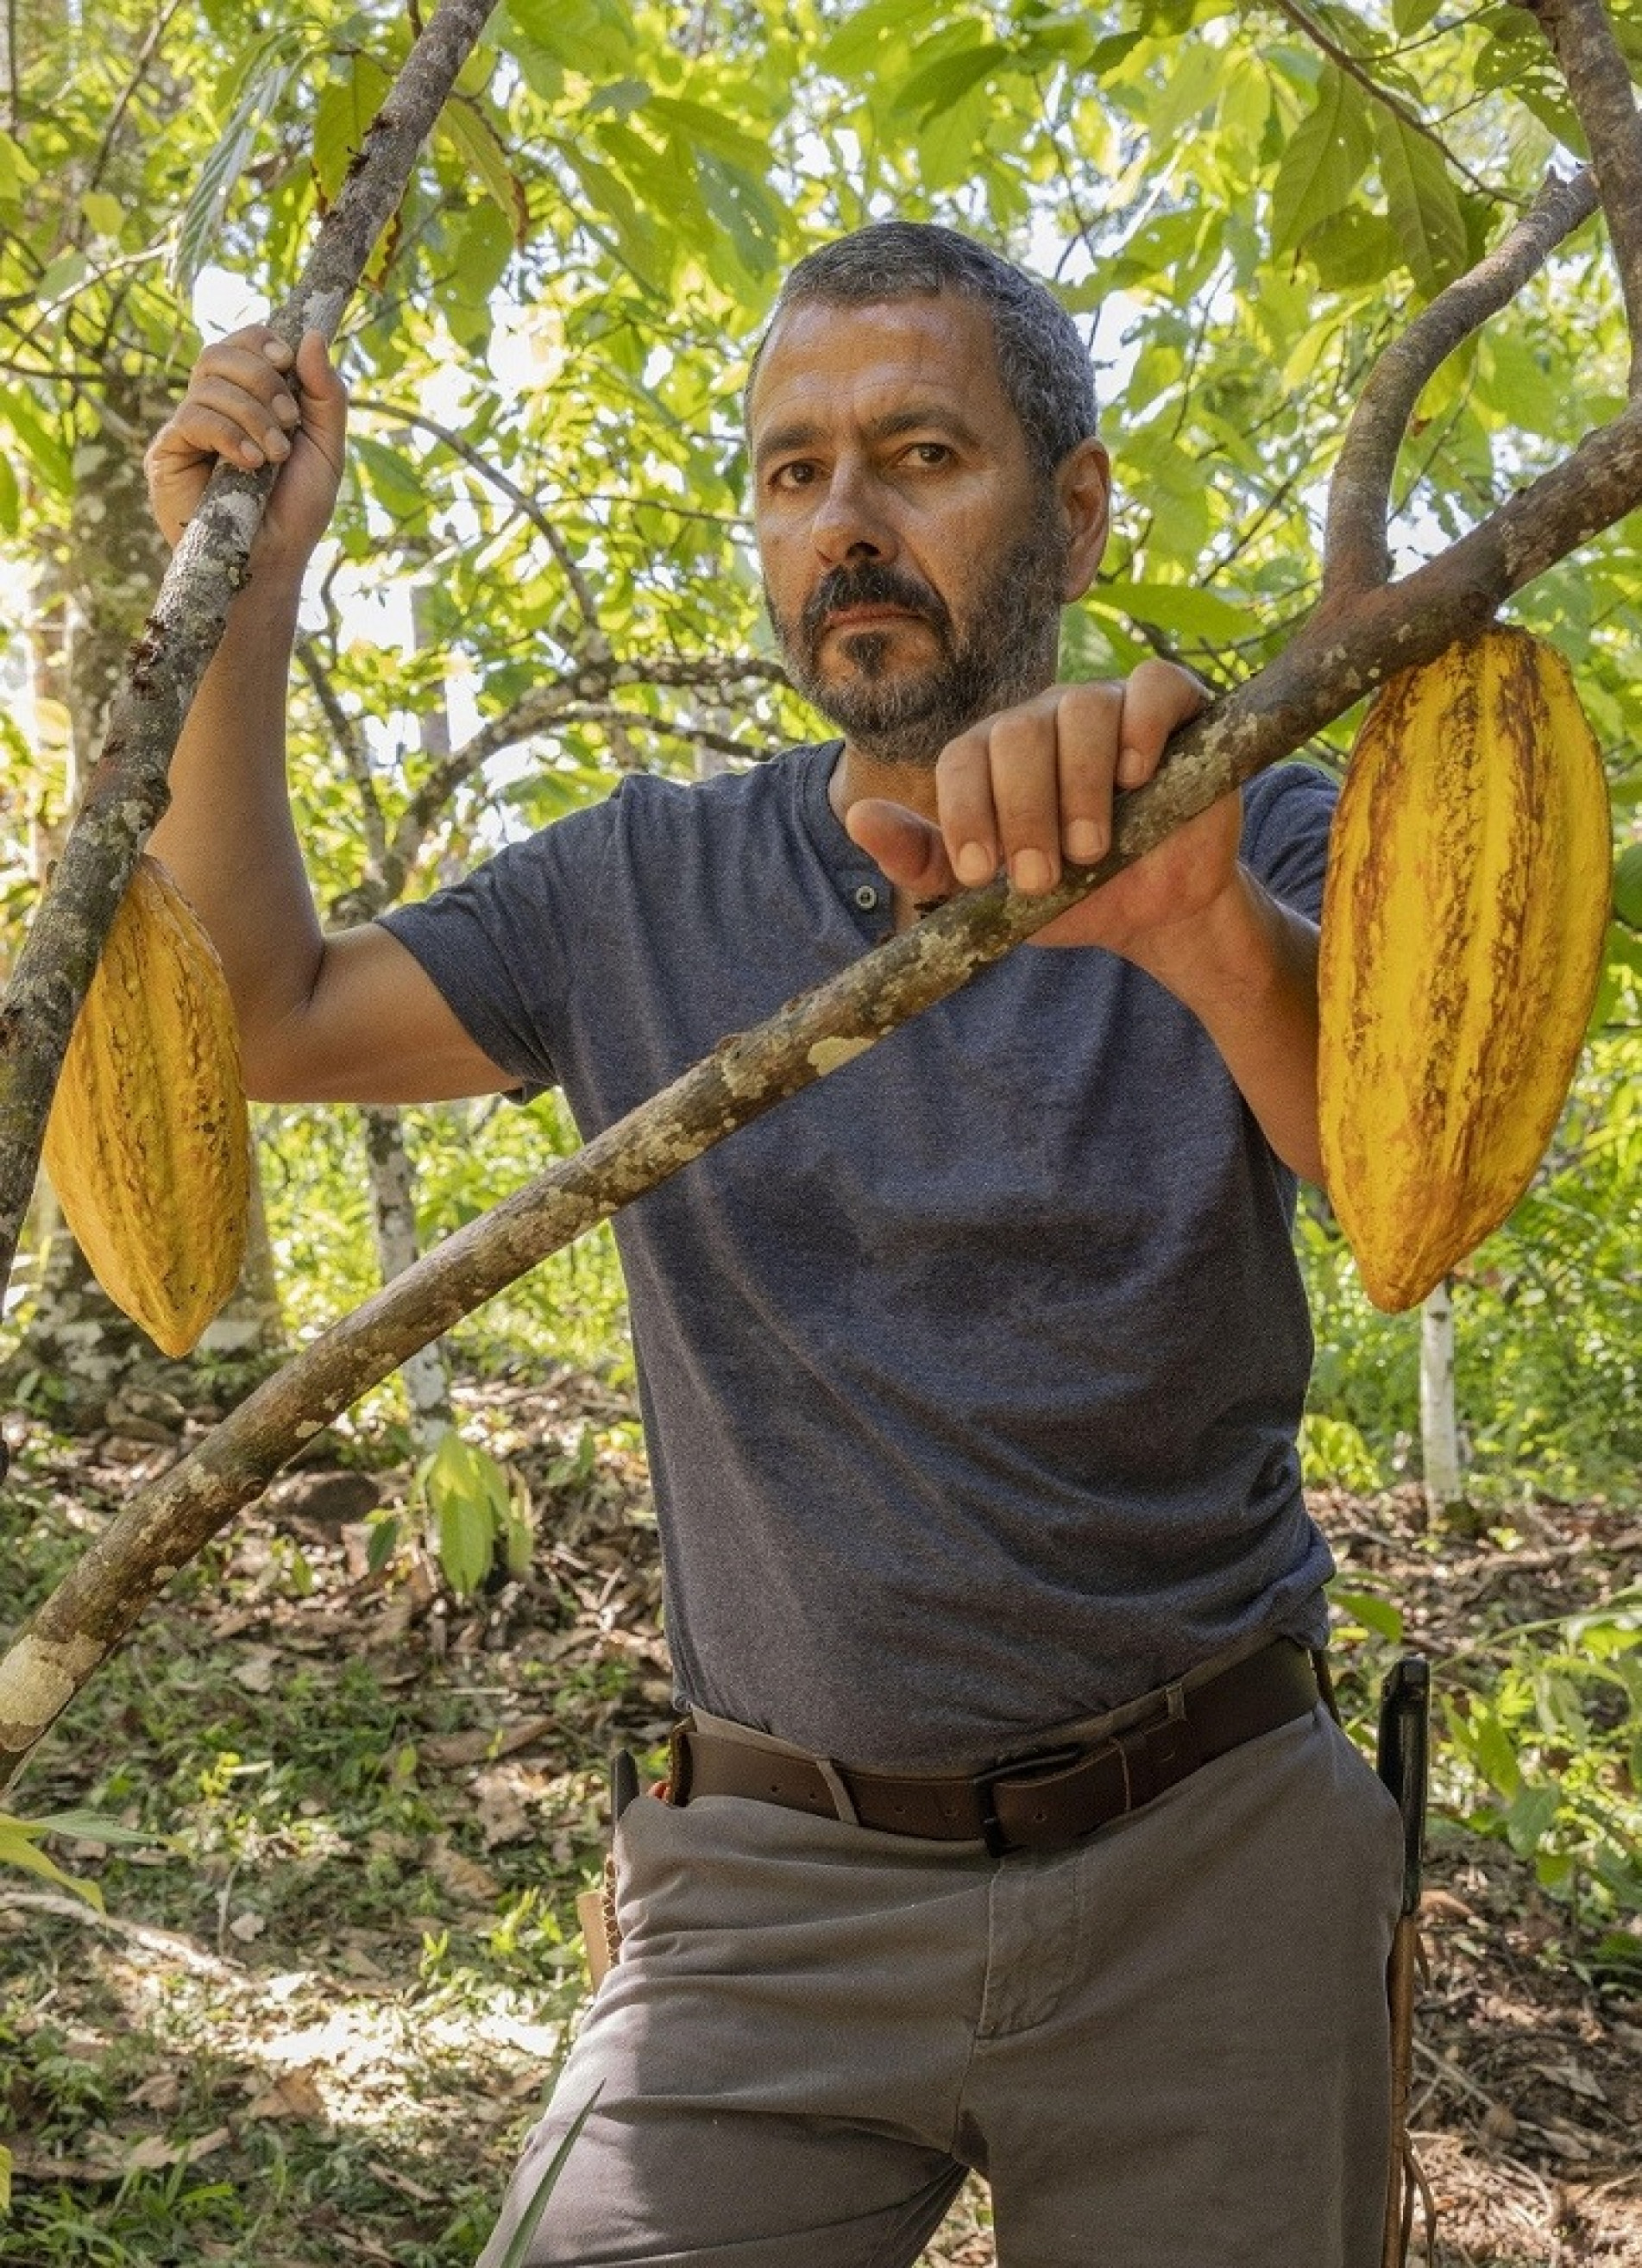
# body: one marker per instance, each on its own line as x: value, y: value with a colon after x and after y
x: 597, y: 645
x: 348, y: 736
x: 1357, y: 552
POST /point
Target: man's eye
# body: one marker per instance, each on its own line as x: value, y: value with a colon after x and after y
x: 930, y: 452
x: 792, y: 476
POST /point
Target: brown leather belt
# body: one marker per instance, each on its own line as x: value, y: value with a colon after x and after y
x: 1039, y: 1802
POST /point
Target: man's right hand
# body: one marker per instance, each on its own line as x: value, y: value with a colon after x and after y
x: 242, y: 405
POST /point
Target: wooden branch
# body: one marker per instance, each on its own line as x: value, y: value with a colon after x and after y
x: 1356, y: 553
x: 1589, y: 55
x: 127, y: 792
x: 1338, y: 657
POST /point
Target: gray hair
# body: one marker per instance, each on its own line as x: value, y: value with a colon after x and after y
x: 1041, y: 361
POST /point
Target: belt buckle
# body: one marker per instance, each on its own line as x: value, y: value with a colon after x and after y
x: 1021, y: 1768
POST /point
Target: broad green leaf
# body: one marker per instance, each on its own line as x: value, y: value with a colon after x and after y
x: 1530, y: 1817
x: 17, y: 169
x: 1422, y: 201
x: 348, y: 102
x: 704, y: 128
x: 1192, y: 87
x: 1510, y: 379
x: 1410, y: 16
x: 597, y: 38
x: 11, y: 499
x: 105, y: 214
x: 393, y: 480
x: 1327, y: 156
x: 852, y: 49
x: 49, y: 460
x: 951, y: 77
x: 1177, y: 607
x: 5, y: 2179
x: 1350, y: 249
x: 470, y: 133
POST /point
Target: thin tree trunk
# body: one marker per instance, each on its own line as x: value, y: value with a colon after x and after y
x: 394, y: 1212
x: 1439, y: 1425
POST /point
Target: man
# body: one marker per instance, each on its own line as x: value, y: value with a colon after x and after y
x: 970, y: 1377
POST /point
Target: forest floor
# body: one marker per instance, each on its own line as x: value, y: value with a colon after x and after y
x: 317, y: 2015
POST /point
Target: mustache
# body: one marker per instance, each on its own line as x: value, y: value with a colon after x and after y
x: 874, y: 583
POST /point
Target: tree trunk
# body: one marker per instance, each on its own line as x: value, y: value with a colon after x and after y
x: 393, y: 1211
x: 1439, y: 1426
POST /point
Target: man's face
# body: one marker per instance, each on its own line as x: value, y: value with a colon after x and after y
x: 915, y: 563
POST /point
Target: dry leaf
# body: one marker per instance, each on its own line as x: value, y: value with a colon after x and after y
x: 245, y: 1926
x: 480, y: 1747
x: 499, y: 1808
x: 464, y: 1878
x: 161, y: 2091
x: 402, y: 2182
x: 294, y: 2094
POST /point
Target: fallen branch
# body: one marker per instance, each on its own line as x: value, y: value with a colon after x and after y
x: 127, y: 792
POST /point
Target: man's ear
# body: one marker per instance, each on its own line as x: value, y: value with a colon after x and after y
x: 1083, y: 480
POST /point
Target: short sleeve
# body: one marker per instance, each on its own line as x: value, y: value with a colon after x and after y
x: 502, y: 944
x: 1286, y: 816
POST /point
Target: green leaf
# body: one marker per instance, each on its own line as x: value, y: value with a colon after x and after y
x: 393, y: 480
x: 105, y: 214
x: 1177, y: 607
x: 381, y: 1545
x: 1350, y: 249
x: 93, y: 1827
x: 470, y: 133
x: 1193, y: 87
x: 1327, y: 156
x: 10, y: 498
x: 470, y: 1495
x: 270, y: 73
x: 17, y: 169
x: 950, y: 78
x: 48, y: 458
x: 1410, y: 16
x: 1628, y: 885
x: 852, y: 51
x: 1530, y: 1817
x: 709, y: 130
x: 1374, y: 1612
x: 347, y: 105
x: 5, y: 2179
x: 17, y: 1849
x: 1422, y: 201
x: 518, y: 2246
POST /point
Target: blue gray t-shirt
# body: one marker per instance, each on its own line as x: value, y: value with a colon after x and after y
x: 970, y: 1375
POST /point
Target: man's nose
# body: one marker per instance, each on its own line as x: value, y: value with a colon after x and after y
x: 849, y: 521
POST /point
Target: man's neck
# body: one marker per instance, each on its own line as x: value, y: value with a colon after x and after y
x: 856, y: 776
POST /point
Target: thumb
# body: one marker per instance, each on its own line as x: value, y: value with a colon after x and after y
x: 908, y: 850
x: 324, y: 397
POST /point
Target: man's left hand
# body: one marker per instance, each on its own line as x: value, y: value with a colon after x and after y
x: 1033, y: 786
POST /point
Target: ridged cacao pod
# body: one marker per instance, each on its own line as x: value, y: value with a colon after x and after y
x: 1463, y: 923
x: 148, y: 1143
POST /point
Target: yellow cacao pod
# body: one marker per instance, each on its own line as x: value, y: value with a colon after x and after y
x: 1463, y: 923
x: 148, y: 1143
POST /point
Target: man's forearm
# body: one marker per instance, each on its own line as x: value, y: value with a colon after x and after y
x: 1248, y: 969
x: 228, y: 836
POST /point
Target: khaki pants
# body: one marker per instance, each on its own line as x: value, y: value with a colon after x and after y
x: 1166, y: 2047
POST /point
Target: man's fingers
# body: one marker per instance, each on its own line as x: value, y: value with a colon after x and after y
x: 907, y: 848
x: 1024, y: 793
x: 1157, y: 696
x: 1087, y: 722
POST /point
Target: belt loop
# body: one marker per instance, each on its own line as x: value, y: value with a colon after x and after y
x: 842, y: 1801
x: 678, y: 1763
x: 1175, y: 1696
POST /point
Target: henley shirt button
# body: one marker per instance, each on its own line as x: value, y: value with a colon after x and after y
x: 867, y: 897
